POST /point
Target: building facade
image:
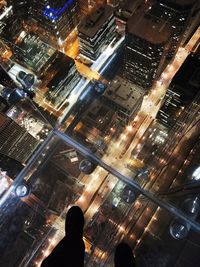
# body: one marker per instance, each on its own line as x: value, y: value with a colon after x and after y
x: 123, y: 97
x: 145, y: 50
x: 177, y: 14
x: 64, y: 80
x: 15, y: 141
x: 20, y: 8
x: 95, y: 32
x: 58, y: 18
x: 181, y: 92
x: 171, y: 109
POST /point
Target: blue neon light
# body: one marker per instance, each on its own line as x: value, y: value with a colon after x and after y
x: 54, y: 14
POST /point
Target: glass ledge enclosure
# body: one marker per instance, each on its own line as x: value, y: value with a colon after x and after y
x: 135, y: 179
x: 109, y: 122
x: 162, y: 226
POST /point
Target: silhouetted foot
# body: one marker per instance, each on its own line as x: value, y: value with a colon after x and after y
x: 74, y: 222
x: 124, y: 256
x: 70, y: 251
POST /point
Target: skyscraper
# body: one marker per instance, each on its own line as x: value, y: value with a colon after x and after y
x: 20, y: 8
x: 64, y: 81
x: 58, y: 18
x: 181, y: 92
x: 175, y: 13
x: 96, y: 31
x: 123, y: 97
x: 15, y: 141
x: 170, y: 109
x: 145, y: 49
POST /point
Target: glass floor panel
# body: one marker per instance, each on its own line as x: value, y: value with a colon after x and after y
x: 62, y: 173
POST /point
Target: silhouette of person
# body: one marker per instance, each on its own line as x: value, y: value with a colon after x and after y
x: 124, y: 256
x: 70, y: 251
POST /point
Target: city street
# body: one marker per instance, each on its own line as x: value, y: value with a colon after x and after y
x: 149, y: 109
x: 69, y: 82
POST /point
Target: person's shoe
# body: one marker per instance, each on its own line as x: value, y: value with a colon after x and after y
x: 74, y: 222
x: 124, y: 256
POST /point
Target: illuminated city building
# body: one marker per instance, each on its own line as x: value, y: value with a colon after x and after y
x: 67, y: 76
x: 5, y: 12
x: 58, y: 18
x: 96, y: 31
x: 124, y: 97
x: 181, y: 92
x: 10, y: 27
x: 145, y: 49
x: 20, y: 8
x: 86, y: 6
x: 123, y: 12
x: 170, y: 109
x: 5, y: 51
x: 177, y: 14
x: 15, y: 141
x: 183, y: 127
x: 33, y: 54
x: 107, y: 151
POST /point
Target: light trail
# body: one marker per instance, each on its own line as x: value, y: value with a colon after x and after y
x: 72, y: 99
x: 5, y: 13
x: 108, y: 63
x: 82, y: 85
x: 109, y: 51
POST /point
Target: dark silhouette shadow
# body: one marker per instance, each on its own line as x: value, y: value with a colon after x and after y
x: 70, y: 251
x: 124, y: 256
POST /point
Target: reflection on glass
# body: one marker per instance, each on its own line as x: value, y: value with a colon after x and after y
x: 116, y: 134
x: 115, y: 208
